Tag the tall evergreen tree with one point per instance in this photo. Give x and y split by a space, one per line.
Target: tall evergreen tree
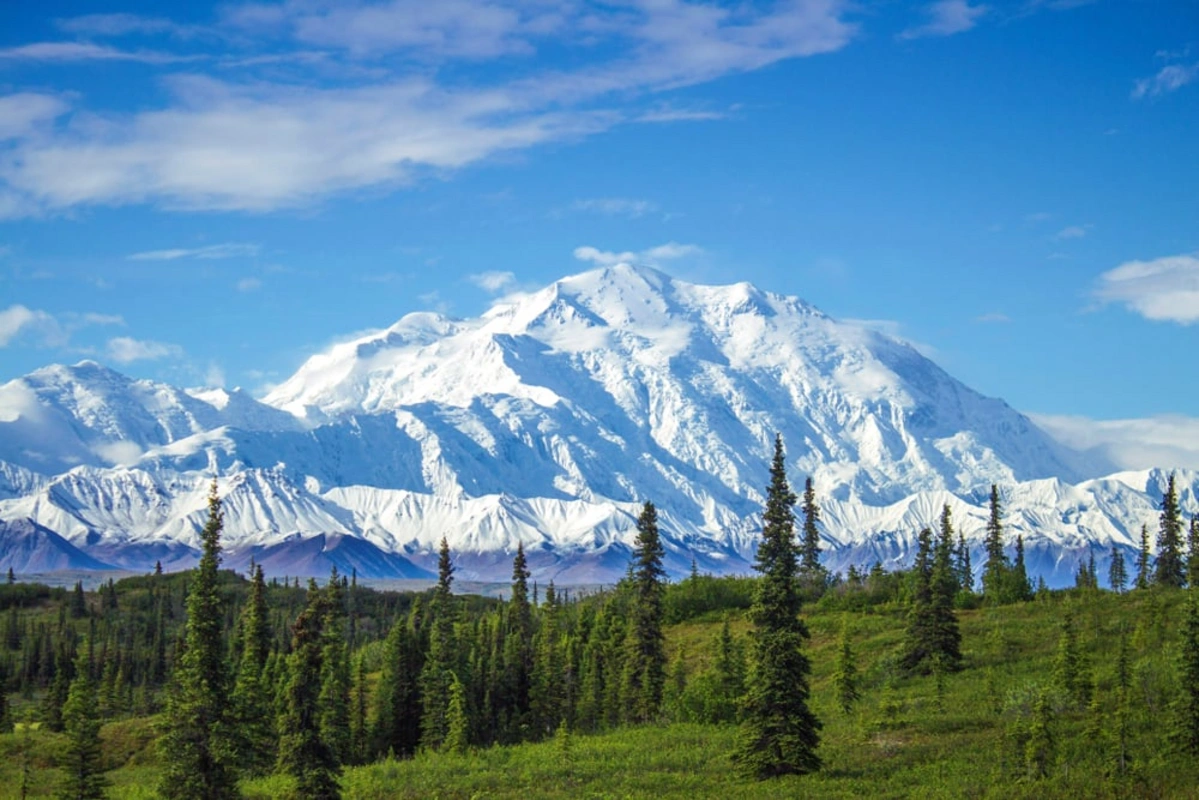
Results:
810 568
1117 574
645 662
1170 569
1193 553
1040 744
457 738
1018 588
518 647
779 734
359 732
996 566
335 672
303 754
1186 705
1143 574
252 701
1069 671
438 671
81 721
933 639
397 700
964 569
196 742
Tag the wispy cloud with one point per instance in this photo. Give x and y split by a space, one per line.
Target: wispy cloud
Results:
1167 79
226 250
45 329
23 113
260 145
893 329
126 350
249 284
115 25
946 18
1166 441
86 51
1165 289
493 281
1074 231
993 317
617 206
655 255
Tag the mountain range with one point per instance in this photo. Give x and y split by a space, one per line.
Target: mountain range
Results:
547 421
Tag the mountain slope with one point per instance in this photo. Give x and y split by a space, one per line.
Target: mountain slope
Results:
547 421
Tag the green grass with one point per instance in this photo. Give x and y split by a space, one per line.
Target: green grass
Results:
900 741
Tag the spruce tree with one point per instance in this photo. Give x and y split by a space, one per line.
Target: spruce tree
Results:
196 742
335 672
645 662
1170 569
457 738
779 734
1186 704
1039 747
1143 575
81 722
254 723
1018 590
810 568
1193 553
397 700
438 671
1117 575
303 754
518 646
964 568
933 639
996 566
1069 671
845 675
547 705
359 732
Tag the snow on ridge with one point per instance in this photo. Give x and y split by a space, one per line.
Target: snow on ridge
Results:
546 421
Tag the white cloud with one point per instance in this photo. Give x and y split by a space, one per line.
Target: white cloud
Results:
125 350
1074 231
85 51
121 25
1167 441
894 330
993 316
946 18
654 255
617 206
1168 79
121 454
263 145
17 318
249 284
1164 289
227 250
214 376
22 113
492 281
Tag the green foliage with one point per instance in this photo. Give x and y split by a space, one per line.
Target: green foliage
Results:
457 738
1143 571
253 721
1186 704
996 565
645 662
706 597
1117 574
81 723
1170 569
303 754
811 571
845 676
196 744
933 638
1069 671
779 733
1039 746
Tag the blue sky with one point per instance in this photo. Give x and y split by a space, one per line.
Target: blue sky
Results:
214 195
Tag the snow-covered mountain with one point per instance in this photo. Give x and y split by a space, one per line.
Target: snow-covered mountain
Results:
547 421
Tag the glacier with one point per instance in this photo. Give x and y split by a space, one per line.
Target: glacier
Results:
547 421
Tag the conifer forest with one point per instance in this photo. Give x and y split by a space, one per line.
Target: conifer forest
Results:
924 682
